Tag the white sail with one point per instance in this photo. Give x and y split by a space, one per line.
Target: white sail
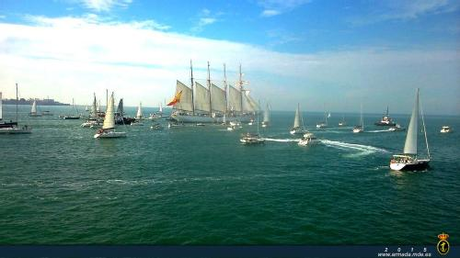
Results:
161 108
139 111
218 99
94 108
410 146
201 98
361 118
185 102
1 107
266 114
109 120
234 99
33 110
297 117
249 105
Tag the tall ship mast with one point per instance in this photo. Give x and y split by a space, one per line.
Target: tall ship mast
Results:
200 104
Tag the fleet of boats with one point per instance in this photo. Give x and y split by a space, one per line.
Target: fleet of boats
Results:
12 127
199 107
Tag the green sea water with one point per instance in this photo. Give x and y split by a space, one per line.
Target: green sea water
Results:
200 186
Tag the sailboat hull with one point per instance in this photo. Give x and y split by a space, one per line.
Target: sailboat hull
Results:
15 130
415 165
110 134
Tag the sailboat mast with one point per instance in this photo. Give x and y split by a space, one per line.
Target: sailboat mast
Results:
225 88
362 122
424 130
17 102
241 89
209 88
258 113
191 86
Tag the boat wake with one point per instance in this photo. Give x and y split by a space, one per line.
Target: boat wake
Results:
361 149
281 140
379 131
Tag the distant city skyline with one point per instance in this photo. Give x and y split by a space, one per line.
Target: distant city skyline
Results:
323 54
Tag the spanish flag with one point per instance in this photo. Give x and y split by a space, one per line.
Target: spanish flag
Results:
176 99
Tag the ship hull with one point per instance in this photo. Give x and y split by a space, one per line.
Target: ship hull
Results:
416 165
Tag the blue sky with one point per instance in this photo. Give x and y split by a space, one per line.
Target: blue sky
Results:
333 53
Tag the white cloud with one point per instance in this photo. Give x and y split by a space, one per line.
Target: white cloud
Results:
268 13
205 18
73 57
277 7
104 5
406 10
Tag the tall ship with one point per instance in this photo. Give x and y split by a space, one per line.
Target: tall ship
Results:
210 104
386 120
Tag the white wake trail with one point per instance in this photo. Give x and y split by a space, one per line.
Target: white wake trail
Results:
281 140
361 149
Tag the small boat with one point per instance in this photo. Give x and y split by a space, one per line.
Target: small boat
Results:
396 128
298 120
72 116
324 123
410 159
93 120
445 129
252 138
307 139
158 114
108 128
200 124
386 120
266 121
33 110
360 128
12 127
47 113
343 123
175 125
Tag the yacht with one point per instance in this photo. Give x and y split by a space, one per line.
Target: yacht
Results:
360 128
12 127
307 139
445 129
298 127
396 128
386 120
108 128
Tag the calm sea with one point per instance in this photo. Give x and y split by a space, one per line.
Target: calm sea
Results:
199 185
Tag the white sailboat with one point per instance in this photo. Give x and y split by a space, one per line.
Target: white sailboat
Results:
72 116
324 124
139 115
251 138
410 160
12 127
266 121
108 128
296 128
33 110
93 120
360 128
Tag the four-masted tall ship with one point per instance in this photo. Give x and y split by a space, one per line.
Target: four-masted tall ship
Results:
210 104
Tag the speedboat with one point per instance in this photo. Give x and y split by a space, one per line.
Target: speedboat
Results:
91 123
396 128
358 129
307 139
251 138
445 129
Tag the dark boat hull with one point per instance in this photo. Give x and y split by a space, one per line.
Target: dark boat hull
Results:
8 124
384 124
